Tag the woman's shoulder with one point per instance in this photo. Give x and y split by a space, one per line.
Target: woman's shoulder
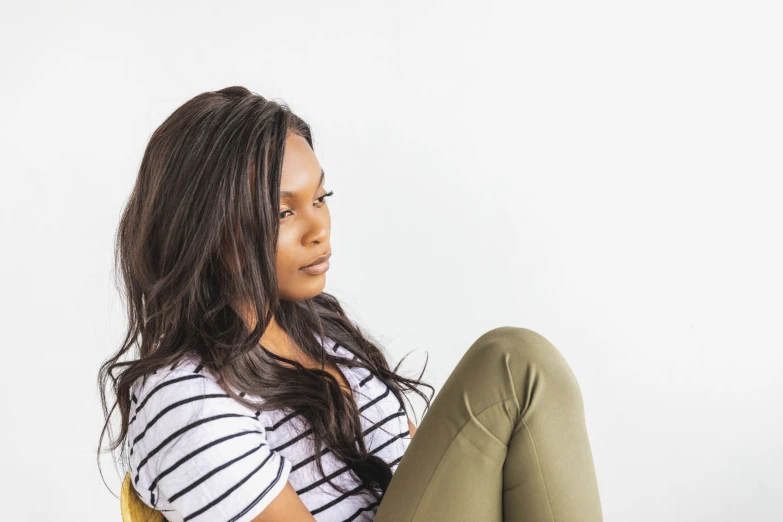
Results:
172 398
186 430
185 376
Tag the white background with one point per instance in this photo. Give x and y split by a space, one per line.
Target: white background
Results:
605 173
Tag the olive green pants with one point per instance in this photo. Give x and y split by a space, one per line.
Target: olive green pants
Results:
504 440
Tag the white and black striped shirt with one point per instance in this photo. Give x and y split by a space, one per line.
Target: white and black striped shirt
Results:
196 454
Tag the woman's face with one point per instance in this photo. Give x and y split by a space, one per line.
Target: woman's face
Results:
305 223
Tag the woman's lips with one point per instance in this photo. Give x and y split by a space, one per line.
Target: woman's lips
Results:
320 268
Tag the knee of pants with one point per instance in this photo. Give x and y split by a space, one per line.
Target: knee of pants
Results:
529 355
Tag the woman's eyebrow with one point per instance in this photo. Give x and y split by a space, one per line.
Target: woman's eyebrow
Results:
290 194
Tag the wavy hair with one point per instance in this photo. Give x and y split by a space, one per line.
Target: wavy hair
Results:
198 234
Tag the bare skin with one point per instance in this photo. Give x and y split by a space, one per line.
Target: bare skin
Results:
305 226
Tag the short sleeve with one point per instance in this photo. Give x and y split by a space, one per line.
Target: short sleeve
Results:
197 454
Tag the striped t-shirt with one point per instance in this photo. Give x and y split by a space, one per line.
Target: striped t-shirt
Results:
197 454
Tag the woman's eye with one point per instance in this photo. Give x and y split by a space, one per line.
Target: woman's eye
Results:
320 200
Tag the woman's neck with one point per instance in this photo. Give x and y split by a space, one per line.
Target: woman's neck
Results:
274 338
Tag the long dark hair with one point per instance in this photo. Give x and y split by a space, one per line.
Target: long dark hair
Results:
199 234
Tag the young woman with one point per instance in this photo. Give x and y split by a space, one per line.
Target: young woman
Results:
253 397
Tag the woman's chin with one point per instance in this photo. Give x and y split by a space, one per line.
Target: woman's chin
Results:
303 291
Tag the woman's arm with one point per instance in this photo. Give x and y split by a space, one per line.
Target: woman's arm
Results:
286 507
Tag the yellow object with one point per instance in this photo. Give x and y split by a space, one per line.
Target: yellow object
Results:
133 508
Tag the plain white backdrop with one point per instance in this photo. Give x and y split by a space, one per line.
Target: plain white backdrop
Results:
606 173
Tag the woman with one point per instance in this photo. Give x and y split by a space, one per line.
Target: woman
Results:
297 416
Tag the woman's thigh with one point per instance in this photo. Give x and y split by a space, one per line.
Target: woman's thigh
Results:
503 440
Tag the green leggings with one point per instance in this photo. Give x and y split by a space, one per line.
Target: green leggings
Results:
504 440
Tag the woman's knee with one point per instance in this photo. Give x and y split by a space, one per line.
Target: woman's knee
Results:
518 342
524 350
